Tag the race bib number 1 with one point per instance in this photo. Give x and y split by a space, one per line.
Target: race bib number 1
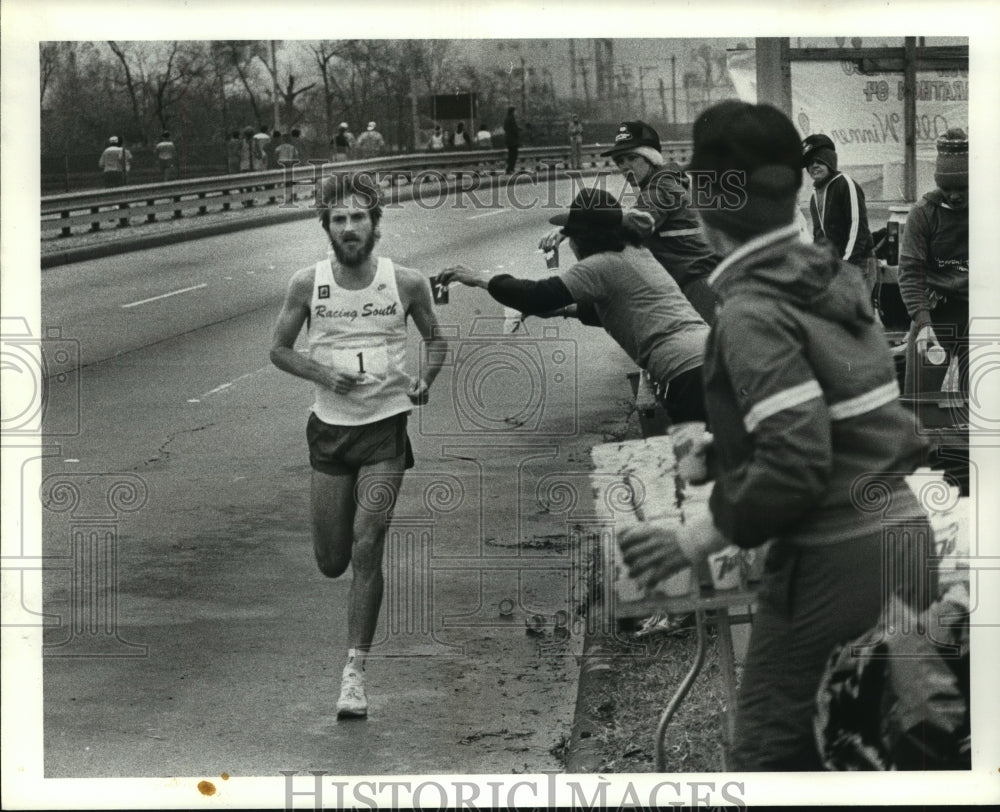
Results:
372 362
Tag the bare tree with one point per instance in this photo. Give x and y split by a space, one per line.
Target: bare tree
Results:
241 56
131 83
48 53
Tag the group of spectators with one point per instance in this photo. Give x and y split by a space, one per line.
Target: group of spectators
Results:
260 150
774 343
115 162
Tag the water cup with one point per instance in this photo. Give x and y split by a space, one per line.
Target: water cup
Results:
690 450
726 568
552 258
936 354
439 290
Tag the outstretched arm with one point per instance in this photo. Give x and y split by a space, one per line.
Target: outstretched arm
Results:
526 295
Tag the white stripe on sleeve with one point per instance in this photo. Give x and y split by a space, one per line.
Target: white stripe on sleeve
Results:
786 399
867 402
855 216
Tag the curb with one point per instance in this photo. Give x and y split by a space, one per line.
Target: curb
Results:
142 243
583 752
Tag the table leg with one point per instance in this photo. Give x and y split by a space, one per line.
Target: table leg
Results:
727 666
682 690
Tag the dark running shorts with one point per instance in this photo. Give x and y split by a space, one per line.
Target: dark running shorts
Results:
337 450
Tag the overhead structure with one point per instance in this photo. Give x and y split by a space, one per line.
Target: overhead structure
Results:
774 57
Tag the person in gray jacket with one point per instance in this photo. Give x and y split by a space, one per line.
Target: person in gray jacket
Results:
811 445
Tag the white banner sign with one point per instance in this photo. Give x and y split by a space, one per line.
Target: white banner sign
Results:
863 113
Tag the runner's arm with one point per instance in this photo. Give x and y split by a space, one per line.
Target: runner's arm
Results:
294 313
420 307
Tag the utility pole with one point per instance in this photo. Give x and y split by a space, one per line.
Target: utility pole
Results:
274 86
663 98
598 70
586 84
673 88
524 90
572 69
642 89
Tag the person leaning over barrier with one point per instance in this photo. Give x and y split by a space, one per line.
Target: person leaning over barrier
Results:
676 240
802 398
618 285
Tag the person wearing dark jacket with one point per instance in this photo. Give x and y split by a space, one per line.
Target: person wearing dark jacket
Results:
677 240
810 444
934 257
837 205
512 139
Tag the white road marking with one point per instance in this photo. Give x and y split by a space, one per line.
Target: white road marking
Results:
165 295
487 214
222 387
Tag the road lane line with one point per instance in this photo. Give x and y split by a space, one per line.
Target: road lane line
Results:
487 214
165 295
223 386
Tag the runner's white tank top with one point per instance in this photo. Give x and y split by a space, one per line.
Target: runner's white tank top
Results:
360 331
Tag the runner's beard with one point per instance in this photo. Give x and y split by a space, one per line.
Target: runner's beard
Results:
354 253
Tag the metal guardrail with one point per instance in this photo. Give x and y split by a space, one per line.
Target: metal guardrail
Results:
176 199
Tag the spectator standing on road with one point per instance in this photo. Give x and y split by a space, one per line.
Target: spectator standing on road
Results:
484 140
837 206
115 162
575 133
370 143
246 151
677 241
300 147
358 446
462 140
286 155
934 258
512 139
166 157
436 143
286 152
260 144
802 398
234 148
343 143
618 285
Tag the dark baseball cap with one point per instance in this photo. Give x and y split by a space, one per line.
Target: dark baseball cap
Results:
591 210
631 135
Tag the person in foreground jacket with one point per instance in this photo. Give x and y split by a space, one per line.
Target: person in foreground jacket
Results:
810 446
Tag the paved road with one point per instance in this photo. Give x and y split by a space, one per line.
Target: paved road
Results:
221 644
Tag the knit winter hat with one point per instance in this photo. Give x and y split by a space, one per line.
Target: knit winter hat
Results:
762 145
952 168
820 148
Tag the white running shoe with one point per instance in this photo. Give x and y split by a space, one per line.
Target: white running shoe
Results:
353 703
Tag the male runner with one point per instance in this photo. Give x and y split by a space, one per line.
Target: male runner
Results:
355 307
